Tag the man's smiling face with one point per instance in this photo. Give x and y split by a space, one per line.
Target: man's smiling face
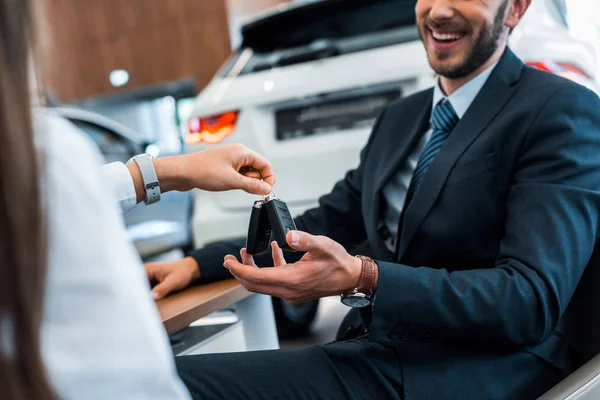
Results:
460 35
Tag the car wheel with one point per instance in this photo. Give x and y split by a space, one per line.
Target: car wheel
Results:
294 320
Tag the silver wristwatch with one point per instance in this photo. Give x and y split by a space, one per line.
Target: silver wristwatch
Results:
149 177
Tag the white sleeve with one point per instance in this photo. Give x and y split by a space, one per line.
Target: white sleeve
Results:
102 337
118 179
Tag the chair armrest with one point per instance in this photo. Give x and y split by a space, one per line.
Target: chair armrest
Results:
583 384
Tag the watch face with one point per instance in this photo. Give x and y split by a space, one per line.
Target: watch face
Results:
356 300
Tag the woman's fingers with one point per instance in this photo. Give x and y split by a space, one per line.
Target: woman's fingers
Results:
261 165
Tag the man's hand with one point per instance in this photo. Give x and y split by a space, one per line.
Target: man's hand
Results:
171 276
228 167
326 269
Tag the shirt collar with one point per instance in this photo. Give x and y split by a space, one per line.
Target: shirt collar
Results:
462 98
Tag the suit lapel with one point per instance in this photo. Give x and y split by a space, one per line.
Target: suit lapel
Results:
499 87
400 145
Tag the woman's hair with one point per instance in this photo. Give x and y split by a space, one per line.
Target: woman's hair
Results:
22 228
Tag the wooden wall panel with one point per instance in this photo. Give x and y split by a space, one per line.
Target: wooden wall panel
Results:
156 41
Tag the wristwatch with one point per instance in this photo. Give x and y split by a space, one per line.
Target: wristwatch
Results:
362 295
149 177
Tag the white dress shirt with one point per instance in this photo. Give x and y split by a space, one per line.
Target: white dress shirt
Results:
119 180
102 337
394 192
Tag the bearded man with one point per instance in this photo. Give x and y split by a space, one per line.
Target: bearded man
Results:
479 201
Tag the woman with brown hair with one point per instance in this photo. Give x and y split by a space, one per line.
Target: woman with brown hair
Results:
22 239
77 320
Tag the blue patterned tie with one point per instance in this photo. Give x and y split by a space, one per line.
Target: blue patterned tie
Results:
443 121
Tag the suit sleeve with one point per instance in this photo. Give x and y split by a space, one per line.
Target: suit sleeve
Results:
336 212
552 225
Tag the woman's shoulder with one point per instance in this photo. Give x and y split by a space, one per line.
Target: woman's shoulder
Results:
70 161
61 141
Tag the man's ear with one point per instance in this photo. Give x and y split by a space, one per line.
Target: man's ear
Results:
516 10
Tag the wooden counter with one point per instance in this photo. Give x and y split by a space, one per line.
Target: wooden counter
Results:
180 309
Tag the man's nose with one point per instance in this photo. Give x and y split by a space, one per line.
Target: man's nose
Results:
441 10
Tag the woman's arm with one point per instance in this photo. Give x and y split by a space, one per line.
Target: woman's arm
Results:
223 168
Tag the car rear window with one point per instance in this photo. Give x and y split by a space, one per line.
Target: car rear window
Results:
324 29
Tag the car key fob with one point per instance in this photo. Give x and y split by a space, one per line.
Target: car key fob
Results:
259 230
281 221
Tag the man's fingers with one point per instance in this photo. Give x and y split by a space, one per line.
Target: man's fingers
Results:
230 257
302 241
165 287
247 259
267 276
277 253
278 282
270 290
289 295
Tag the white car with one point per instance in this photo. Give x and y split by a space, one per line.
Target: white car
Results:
309 80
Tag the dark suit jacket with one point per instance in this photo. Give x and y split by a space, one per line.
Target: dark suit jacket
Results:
492 245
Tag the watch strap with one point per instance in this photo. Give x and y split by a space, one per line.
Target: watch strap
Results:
151 184
366 283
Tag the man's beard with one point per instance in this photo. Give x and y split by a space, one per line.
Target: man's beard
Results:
485 46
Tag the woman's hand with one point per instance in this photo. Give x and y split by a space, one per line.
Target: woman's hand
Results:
228 167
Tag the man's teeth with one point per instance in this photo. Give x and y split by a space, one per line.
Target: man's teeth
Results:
446 37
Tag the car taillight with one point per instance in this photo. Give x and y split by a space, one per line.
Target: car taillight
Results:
565 70
211 129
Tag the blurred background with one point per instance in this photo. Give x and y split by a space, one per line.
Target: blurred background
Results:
299 81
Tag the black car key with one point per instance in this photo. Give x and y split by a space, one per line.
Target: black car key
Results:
259 230
281 221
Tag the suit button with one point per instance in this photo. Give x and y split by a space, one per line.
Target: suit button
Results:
396 334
